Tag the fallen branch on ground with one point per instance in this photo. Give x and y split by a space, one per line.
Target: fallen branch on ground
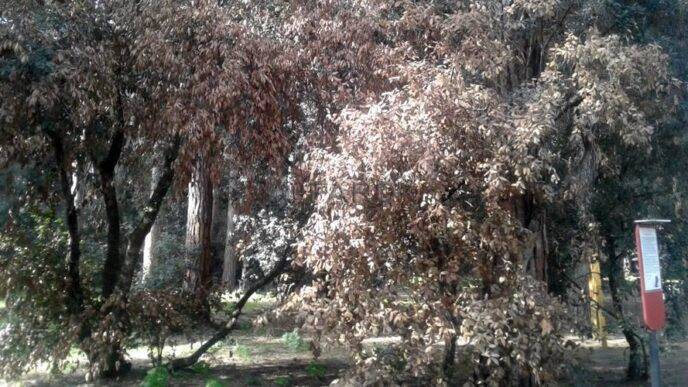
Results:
185 362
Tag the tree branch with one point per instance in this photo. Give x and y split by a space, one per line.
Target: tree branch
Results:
611 314
190 360
570 104
107 165
150 213
560 26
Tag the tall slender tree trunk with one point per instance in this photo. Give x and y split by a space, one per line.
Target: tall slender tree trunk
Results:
218 227
197 279
74 289
536 253
449 362
230 264
106 170
635 359
136 237
109 362
150 243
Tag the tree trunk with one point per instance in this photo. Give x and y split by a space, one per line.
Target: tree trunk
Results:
536 253
635 361
229 267
197 279
110 361
449 362
113 262
150 213
150 243
106 170
218 229
74 289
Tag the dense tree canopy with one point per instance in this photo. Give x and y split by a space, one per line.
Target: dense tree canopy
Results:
436 171
437 192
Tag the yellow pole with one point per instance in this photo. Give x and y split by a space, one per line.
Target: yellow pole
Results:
597 298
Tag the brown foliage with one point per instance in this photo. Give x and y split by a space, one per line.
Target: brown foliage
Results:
420 125
414 206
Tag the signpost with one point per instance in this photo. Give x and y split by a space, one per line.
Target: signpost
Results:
651 293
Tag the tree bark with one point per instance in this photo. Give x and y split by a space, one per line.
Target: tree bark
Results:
218 230
536 253
635 360
219 223
230 264
151 240
109 362
74 289
137 236
449 362
106 170
197 279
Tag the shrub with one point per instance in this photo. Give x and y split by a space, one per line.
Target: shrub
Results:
316 370
157 314
201 368
156 377
294 341
32 275
516 337
283 381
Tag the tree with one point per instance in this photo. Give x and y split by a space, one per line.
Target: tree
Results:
129 76
439 167
637 183
432 206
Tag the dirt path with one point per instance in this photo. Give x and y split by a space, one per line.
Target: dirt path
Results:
607 366
265 361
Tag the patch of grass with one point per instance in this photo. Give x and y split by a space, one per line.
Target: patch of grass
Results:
242 352
214 349
283 381
156 377
244 326
252 306
214 383
316 370
254 381
257 302
201 368
294 341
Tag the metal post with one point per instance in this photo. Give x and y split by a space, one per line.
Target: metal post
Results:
655 377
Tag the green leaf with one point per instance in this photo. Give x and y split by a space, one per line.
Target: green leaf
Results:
214 383
156 377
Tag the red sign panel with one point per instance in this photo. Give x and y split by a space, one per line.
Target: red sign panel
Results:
651 292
